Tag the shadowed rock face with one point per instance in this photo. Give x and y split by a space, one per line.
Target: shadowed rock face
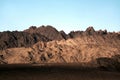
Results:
48 31
110 64
29 37
19 39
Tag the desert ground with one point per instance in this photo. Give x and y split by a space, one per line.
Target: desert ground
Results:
54 72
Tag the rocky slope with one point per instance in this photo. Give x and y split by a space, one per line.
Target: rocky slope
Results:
19 39
33 35
48 31
90 47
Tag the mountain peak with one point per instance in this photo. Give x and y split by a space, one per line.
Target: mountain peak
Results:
33 27
48 31
90 30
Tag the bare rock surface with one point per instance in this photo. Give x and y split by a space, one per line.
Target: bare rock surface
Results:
48 31
19 39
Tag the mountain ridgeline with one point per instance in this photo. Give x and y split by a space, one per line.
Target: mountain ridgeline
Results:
33 35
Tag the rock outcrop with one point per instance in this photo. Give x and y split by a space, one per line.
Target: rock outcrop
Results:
47 31
19 39
109 64
29 37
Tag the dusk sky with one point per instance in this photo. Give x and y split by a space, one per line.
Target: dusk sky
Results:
67 15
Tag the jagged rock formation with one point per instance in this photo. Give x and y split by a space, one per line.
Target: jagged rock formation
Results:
110 64
19 39
48 31
93 48
33 35
29 37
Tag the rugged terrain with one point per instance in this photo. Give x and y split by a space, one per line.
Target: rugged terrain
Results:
47 45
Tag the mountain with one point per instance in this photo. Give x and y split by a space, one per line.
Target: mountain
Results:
48 31
47 45
33 35
29 37
19 39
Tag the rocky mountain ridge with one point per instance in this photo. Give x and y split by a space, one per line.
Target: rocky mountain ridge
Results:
33 35
36 45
